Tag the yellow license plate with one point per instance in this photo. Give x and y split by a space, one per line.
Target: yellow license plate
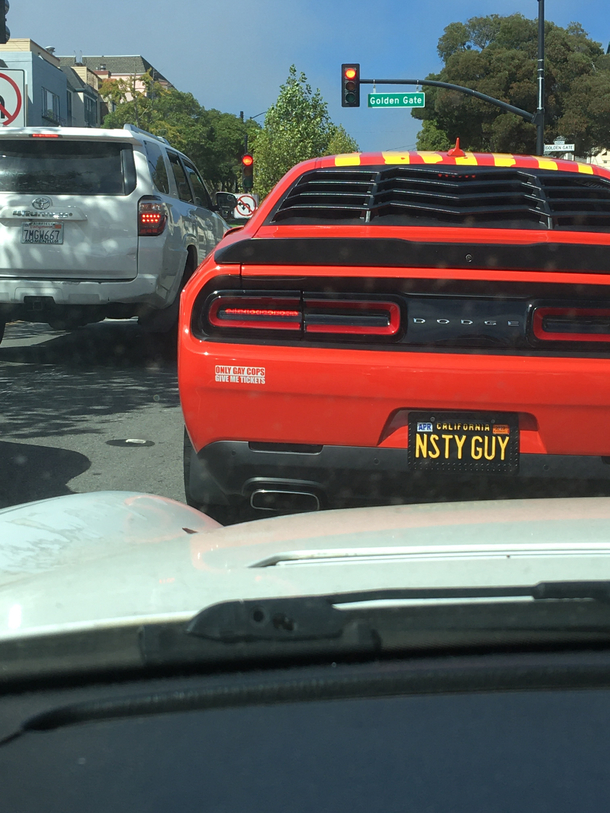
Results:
485 442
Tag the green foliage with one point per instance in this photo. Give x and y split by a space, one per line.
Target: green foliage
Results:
297 127
433 138
340 141
213 140
497 56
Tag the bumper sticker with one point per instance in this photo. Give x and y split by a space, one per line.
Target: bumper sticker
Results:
232 374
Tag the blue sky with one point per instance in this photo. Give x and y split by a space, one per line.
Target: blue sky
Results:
234 55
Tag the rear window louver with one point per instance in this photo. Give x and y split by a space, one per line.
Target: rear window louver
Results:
469 196
330 194
577 203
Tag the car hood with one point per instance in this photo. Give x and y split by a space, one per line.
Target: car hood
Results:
114 558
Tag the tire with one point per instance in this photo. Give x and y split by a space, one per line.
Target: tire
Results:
187 451
234 511
2 326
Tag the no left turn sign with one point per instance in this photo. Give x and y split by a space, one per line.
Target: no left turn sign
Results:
246 205
12 98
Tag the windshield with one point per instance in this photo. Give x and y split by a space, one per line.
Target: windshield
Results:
250 281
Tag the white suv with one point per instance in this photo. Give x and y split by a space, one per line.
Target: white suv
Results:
99 223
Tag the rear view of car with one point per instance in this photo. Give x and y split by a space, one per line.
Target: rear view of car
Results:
95 224
395 315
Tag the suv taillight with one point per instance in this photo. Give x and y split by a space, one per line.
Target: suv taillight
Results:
152 216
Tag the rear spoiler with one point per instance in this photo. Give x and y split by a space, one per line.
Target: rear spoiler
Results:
392 253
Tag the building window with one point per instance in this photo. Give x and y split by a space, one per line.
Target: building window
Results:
50 106
69 107
90 111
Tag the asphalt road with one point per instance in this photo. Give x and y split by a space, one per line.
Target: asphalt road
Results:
72 403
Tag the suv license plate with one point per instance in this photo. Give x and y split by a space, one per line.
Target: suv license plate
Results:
485 442
43 232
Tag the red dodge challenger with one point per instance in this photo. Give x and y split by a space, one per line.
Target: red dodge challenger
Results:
389 317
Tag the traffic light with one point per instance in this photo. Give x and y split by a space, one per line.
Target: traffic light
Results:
350 85
5 34
247 171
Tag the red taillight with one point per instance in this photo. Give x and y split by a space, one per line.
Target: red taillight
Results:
255 312
266 313
152 217
356 318
313 316
571 324
44 135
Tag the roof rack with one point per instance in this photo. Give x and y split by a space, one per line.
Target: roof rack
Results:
134 129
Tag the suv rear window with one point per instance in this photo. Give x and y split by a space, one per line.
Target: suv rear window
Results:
67 167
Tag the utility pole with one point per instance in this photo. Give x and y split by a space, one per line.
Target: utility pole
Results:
540 110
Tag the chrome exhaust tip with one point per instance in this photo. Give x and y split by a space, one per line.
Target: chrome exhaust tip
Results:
284 501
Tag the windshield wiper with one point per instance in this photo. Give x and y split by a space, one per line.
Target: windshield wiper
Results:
317 617
423 620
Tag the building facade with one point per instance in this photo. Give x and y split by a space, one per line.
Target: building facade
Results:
47 103
129 68
86 108
602 159
64 90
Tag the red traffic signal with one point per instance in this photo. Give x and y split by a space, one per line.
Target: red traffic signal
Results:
350 85
247 171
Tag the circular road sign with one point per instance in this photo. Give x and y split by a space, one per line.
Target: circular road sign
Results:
9 110
246 204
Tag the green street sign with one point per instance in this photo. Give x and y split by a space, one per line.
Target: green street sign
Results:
414 99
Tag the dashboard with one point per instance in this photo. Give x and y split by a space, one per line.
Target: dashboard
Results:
486 732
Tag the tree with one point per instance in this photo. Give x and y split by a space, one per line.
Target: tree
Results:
134 100
340 141
297 127
497 56
213 140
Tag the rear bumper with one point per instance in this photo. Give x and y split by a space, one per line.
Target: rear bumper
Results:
144 289
341 475
362 398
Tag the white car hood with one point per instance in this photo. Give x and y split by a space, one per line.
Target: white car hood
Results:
114 558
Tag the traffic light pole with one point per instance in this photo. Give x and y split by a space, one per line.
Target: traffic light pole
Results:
539 120
509 108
